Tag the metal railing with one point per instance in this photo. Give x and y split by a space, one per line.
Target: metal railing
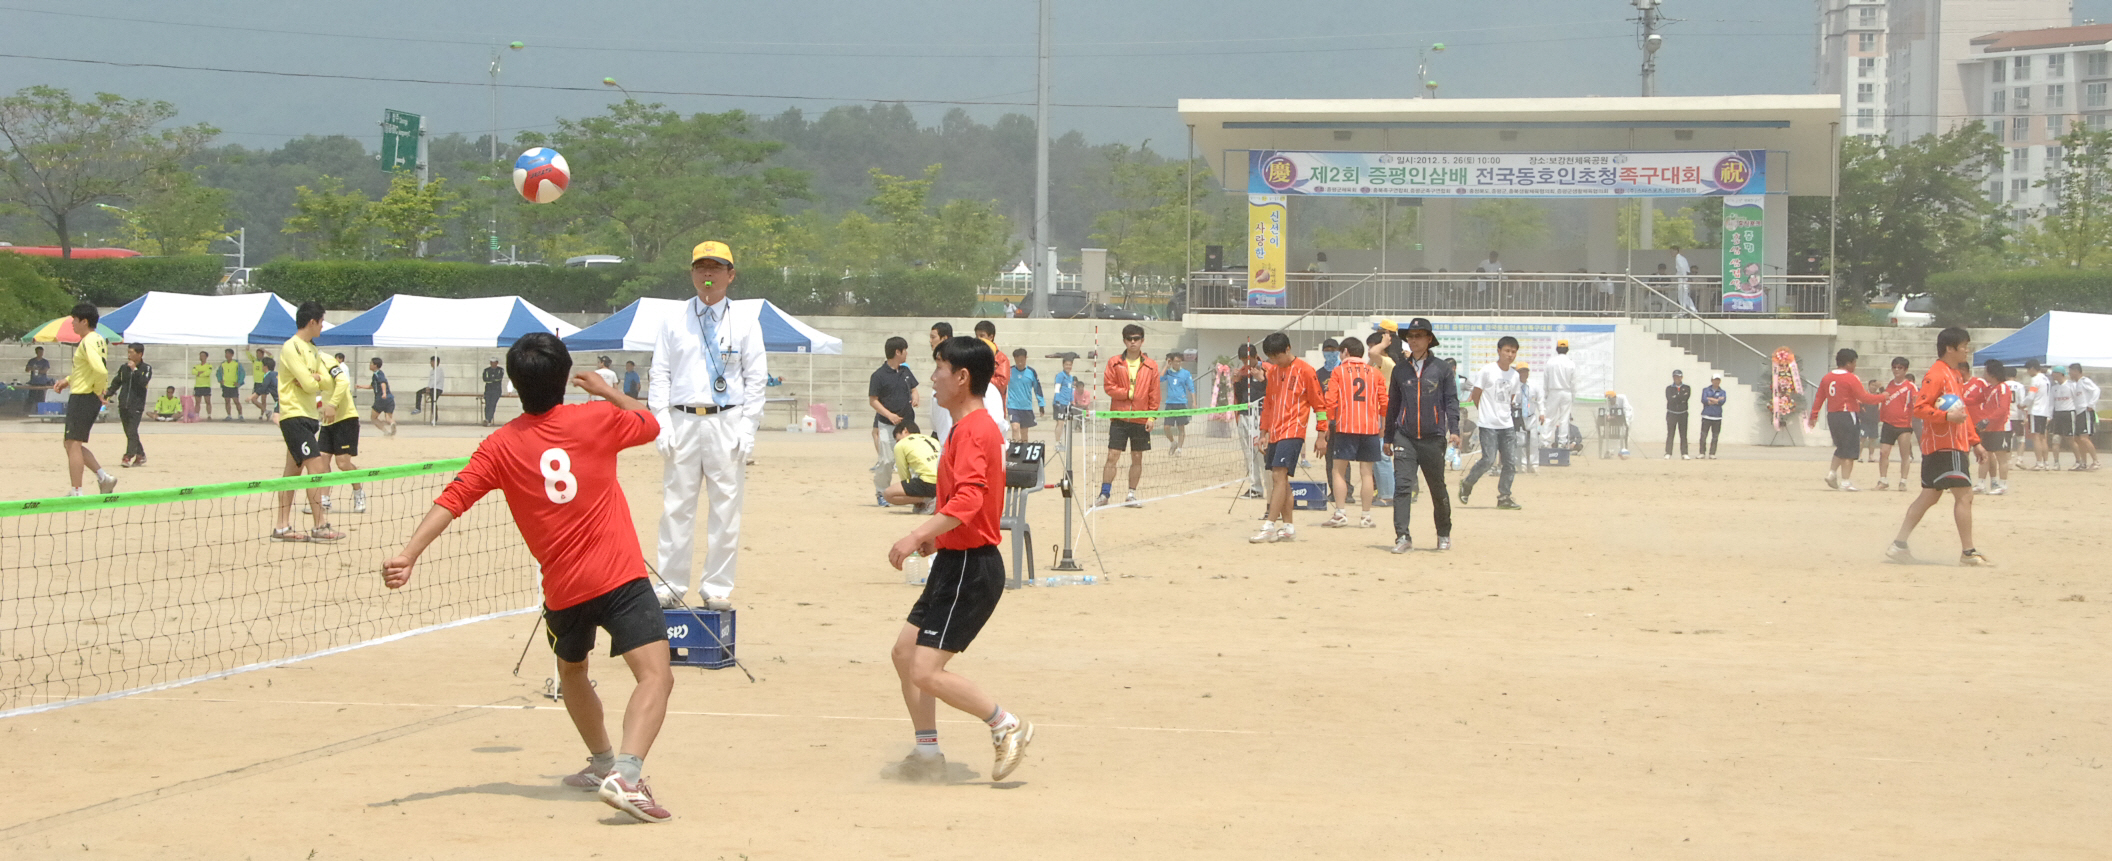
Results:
1540 294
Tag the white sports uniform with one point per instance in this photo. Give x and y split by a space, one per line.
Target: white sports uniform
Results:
706 446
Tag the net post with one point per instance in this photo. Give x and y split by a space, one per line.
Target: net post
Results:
1065 561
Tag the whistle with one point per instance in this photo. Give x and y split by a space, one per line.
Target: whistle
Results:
707 283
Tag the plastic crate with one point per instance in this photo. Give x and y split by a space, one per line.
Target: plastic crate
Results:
51 408
700 638
1554 457
1309 495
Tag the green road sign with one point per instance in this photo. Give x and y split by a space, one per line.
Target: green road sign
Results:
400 132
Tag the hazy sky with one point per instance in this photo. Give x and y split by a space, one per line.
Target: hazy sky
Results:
712 55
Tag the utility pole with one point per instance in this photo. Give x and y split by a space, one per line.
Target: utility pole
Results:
1422 69
1651 20
1044 249
498 188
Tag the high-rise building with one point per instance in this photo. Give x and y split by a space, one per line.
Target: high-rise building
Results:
2030 87
1895 63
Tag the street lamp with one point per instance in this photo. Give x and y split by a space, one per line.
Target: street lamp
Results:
611 82
1422 68
495 191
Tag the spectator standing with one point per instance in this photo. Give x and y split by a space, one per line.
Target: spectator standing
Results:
1496 415
2085 422
1529 409
1422 422
632 387
38 367
1023 396
606 370
1678 397
1132 383
1684 270
494 380
202 386
1249 382
258 391
1713 397
231 374
1178 388
892 393
129 386
1558 378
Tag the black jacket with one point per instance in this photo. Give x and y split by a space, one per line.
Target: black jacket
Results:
1425 405
129 387
1677 396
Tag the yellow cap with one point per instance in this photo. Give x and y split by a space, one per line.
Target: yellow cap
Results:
711 250
1387 325
1521 366
1562 343
1609 394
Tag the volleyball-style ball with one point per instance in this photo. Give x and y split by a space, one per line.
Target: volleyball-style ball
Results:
540 175
1947 403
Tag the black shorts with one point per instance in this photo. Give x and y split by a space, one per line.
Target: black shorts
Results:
960 593
2038 424
1125 434
1060 412
341 437
1023 418
1283 454
1842 426
301 438
1176 421
202 392
385 406
1943 470
81 413
630 613
230 391
1994 440
2085 422
258 389
1358 447
919 488
2063 423
1890 434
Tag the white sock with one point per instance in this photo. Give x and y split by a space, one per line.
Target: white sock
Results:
927 742
103 474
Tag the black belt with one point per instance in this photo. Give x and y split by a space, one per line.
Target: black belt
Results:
705 410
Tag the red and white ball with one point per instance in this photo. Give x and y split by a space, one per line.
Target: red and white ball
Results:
540 175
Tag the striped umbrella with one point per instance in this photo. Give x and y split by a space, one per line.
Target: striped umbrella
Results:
60 331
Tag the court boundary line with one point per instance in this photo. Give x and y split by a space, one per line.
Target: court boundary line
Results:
261 665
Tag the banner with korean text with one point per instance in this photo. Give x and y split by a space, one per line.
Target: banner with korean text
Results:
1508 174
1268 226
1742 232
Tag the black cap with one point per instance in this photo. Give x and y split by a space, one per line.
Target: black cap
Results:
1422 324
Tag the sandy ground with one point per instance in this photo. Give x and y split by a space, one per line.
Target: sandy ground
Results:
1660 660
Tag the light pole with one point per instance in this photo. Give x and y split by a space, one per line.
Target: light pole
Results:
496 191
1422 68
1044 265
611 82
1651 20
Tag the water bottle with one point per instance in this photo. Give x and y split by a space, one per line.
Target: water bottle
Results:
1054 580
913 569
1069 580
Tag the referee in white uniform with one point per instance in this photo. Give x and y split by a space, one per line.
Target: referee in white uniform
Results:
707 390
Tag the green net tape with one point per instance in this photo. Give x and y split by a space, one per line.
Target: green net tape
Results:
61 504
1159 414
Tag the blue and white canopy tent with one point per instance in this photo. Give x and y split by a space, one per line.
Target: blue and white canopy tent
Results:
418 321
2058 338
185 318
635 327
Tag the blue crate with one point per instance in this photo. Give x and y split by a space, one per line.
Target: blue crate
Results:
690 637
1309 495
51 408
1554 457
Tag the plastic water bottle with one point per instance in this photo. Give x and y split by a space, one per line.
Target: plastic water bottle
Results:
1070 580
913 569
1053 580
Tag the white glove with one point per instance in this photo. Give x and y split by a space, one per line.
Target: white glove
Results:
661 443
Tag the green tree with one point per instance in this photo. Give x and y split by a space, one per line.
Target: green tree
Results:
175 216
331 222
65 155
2076 227
1667 229
1147 230
408 216
1371 225
27 297
664 180
1911 210
1509 225
973 238
904 207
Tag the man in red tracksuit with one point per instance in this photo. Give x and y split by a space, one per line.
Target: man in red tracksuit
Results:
1132 383
1948 427
1896 424
1841 394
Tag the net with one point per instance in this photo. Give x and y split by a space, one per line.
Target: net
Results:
107 596
1192 451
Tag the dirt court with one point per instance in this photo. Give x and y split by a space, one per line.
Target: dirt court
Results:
1654 659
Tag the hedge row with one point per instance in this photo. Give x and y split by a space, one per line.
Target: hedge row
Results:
351 284
2012 298
110 282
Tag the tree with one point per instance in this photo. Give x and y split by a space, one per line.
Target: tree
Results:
408 216
1667 230
1147 231
664 180
331 223
1372 225
1914 209
2076 230
65 155
27 297
174 215
1509 225
972 237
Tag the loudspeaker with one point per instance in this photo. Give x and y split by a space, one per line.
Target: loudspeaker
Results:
1213 258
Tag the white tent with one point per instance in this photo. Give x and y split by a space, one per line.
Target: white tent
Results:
2058 338
635 327
185 318
419 321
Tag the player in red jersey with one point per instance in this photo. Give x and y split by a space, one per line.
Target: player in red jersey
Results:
556 463
1356 404
967 574
1987 401
1896 424
1948 427
1293 393
1841 394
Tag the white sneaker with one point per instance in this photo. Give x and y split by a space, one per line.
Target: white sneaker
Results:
359 502
1338 521
1898 552
1267 534
1368 523
1403 544
669 595
1286 532
1883 484
1850 487
1100 501
1131 501
1833 481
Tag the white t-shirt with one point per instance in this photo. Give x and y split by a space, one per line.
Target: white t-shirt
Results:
607 376
2063 398
1499 391
2019 403
2041 396
1560 375
2086 393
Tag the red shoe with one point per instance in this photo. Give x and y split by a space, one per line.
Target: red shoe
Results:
587 779
634 799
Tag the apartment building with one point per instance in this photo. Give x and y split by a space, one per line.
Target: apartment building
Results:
1895 63
2030 87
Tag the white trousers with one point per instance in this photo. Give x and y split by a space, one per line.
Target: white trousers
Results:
704 458
1558 407
1249 431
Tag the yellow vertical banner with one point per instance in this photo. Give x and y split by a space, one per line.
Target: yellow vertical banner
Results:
1268 220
